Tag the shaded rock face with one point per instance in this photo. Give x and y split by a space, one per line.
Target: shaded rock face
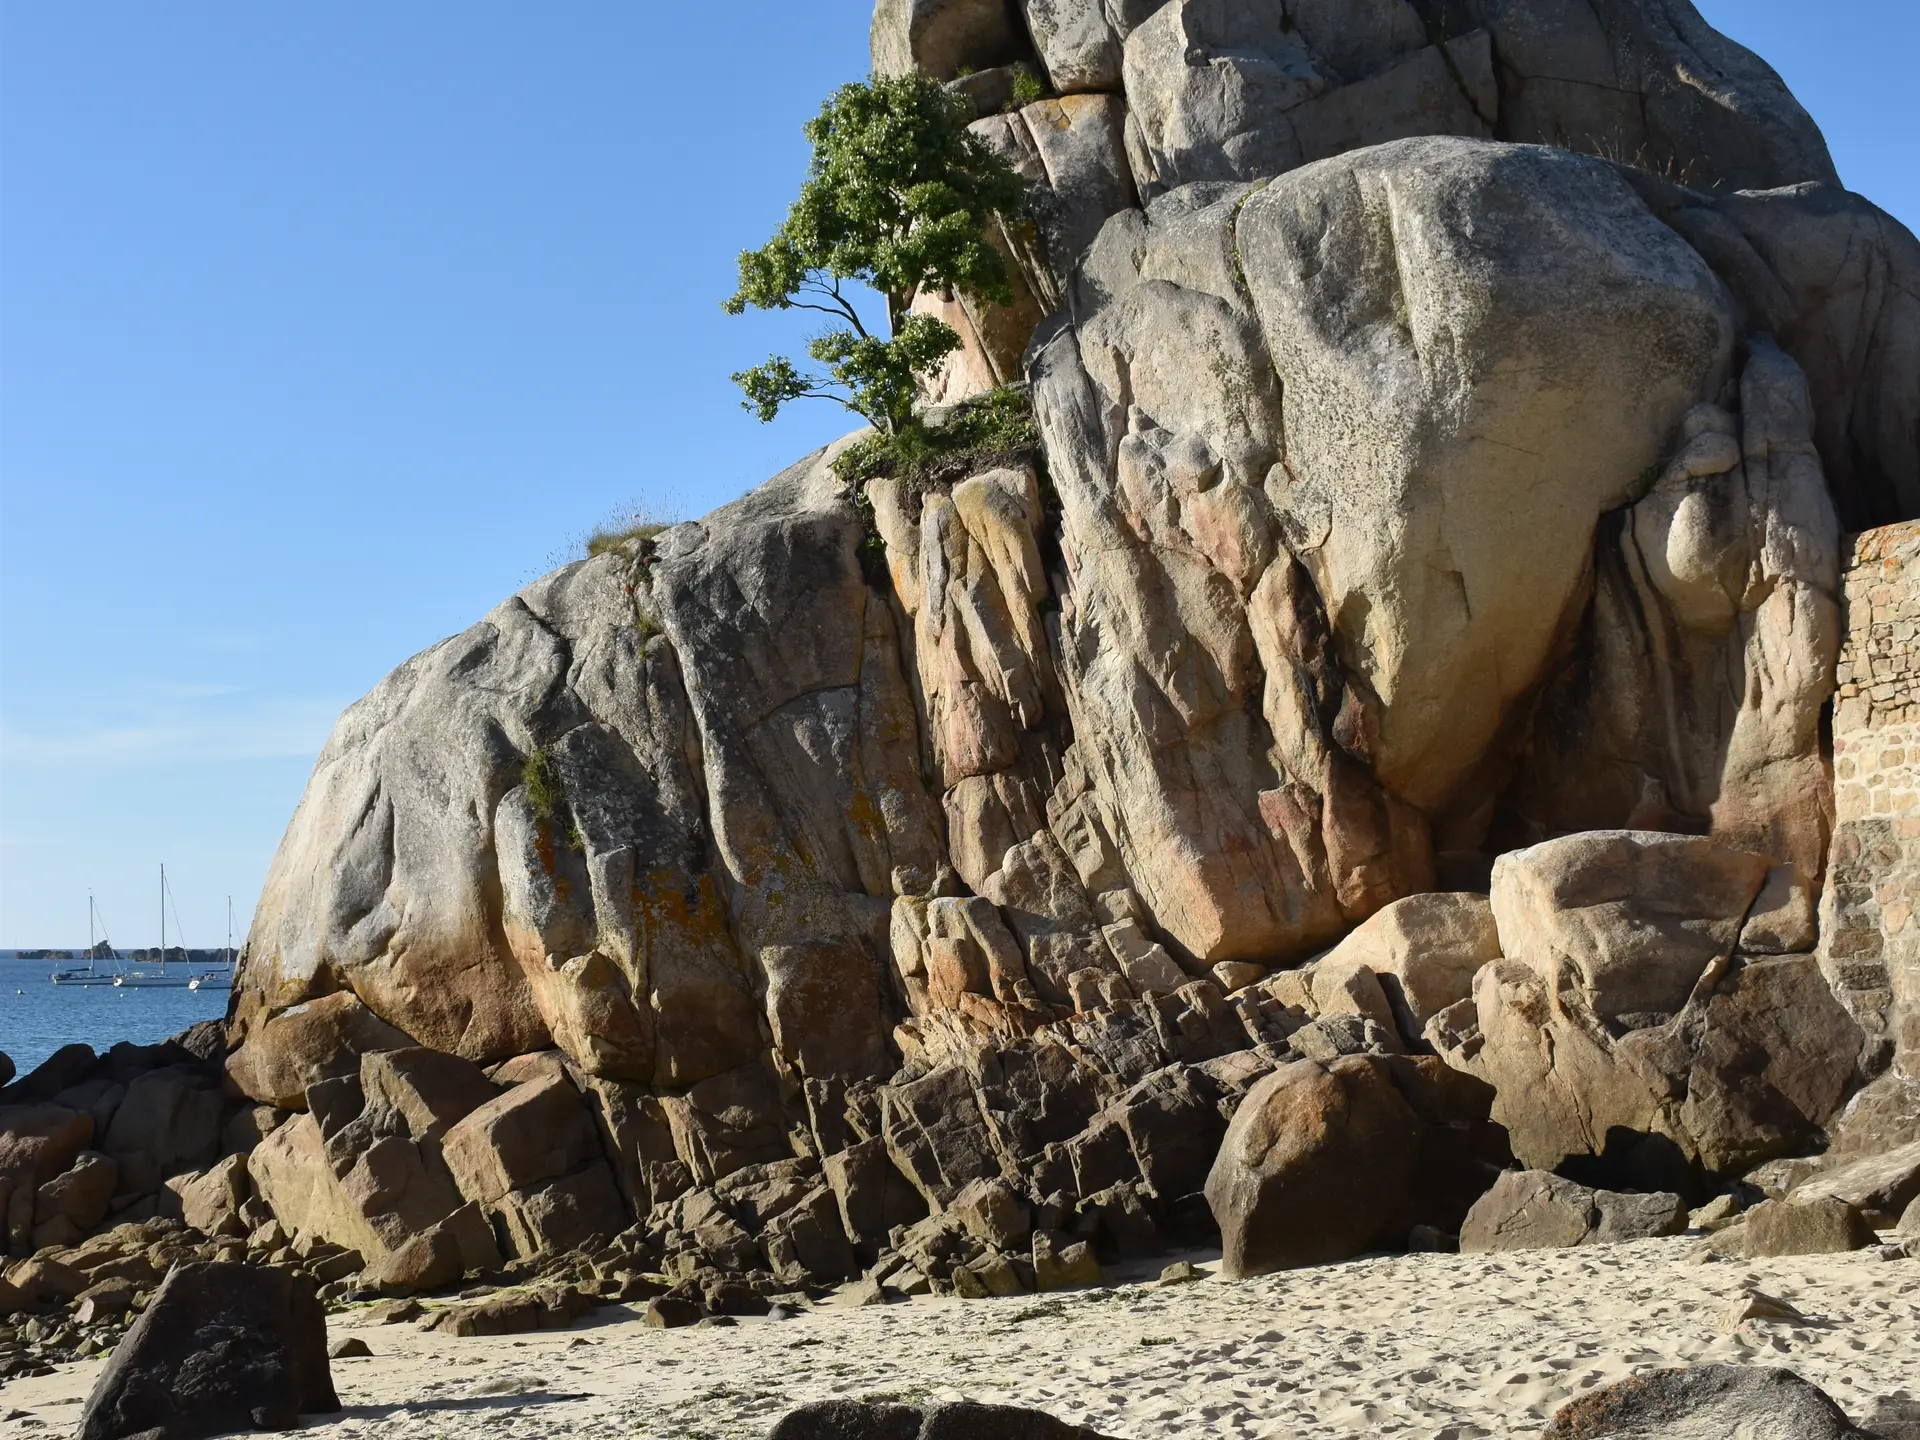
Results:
90 1140
221 1348
1408 497
1706 662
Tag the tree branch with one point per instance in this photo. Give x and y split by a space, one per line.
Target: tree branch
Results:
841 305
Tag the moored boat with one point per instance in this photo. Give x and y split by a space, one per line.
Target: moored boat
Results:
90 973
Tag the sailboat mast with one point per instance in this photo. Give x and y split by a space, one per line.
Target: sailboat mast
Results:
163 917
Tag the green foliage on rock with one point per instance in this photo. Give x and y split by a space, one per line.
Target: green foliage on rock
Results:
898 198
994 429
544 794
1028 88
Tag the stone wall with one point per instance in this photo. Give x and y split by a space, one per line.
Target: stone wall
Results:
1870 933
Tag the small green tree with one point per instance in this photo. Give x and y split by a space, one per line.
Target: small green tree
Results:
898 198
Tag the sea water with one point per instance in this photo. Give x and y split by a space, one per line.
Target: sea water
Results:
37 1017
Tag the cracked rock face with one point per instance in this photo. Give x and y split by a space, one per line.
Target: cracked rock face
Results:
554 829
1400 506
1344 441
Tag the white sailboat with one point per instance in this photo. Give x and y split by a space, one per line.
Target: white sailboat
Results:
91 974
160 978
221 976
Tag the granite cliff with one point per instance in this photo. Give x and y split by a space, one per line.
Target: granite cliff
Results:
1379 735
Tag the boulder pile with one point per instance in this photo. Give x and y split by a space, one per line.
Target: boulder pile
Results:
1376 735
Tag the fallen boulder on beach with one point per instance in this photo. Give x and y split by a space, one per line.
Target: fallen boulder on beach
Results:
221 1348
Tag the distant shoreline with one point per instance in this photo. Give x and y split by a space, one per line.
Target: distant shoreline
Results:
175 955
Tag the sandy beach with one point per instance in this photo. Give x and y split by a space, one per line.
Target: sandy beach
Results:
1428 1347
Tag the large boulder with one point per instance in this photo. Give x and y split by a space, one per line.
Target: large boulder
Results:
1705 1402
81 1194
955 1420
1820 1226
1450 622
680 799
37 1143
1318 1165
306 1043
220 1348
1651 83
68 1066
1425 951
1534 1210
532 1158
1628 922
1882 1185
1238 92
169 1123
210 1202
1625 1026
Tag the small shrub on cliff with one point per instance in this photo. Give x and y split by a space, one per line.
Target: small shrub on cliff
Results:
897 198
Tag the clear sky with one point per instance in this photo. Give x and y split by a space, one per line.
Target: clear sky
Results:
325 327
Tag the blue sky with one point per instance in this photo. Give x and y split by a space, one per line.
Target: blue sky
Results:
325 327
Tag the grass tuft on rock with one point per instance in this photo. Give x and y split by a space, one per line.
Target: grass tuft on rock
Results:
543 784
993 430
616 536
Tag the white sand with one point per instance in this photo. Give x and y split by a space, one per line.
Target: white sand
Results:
1436 1347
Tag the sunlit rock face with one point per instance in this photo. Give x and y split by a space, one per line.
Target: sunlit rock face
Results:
1449 416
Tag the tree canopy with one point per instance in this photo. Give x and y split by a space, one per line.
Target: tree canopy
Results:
897 198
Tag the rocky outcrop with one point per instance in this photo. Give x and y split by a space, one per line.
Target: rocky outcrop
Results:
833 882
89 1139
1625 1025
1152 96
1239 92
